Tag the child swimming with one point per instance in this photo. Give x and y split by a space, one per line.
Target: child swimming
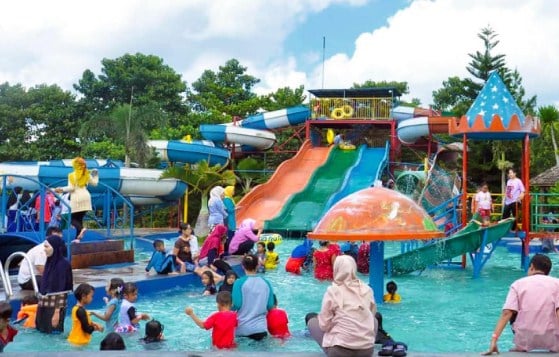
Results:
82 327
114 289
28 310
208 282
223 322
272 258
154 332
261 254
391 295
129 319
277 321
228 282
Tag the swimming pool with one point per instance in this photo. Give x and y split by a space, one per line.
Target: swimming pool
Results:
442 310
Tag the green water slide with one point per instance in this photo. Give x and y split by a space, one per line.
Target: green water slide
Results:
304 207
464 241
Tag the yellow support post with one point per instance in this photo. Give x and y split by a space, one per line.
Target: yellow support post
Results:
185 212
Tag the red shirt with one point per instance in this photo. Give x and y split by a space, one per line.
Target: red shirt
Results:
9 337
277 323
223 324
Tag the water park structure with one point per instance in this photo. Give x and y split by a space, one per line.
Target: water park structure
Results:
307 193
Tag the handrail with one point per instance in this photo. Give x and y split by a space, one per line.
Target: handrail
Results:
5 282
9 291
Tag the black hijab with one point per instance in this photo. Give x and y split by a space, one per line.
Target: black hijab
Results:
58 271
225 286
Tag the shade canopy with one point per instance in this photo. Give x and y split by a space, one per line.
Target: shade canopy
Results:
494 115
376 214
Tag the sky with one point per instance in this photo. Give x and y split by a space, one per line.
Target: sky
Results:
283 43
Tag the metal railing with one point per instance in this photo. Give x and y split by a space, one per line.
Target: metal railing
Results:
351 108
8 284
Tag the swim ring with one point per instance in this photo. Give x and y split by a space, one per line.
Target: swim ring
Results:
271 237
337 113
347 110
346 146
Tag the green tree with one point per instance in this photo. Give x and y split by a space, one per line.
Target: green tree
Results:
283 98
549 116
401 87
38 123
458 94
201 178
123 126
224 94
249 171
145 78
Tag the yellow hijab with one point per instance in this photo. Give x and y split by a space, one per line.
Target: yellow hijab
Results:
229 191
80 176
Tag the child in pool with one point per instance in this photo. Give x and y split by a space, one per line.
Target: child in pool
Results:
28 310
112 342
7 332
154 332
114 289
129 319
323 261
208 282
277 321
261 254
82 327
228 282
272 258
223 322
160 261
391 295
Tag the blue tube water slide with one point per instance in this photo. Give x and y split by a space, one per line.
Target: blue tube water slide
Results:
253 131
141 186
190 153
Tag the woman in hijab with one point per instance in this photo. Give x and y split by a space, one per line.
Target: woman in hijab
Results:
346 323
244 238
216 209
80 199
231 223
57 280
212 250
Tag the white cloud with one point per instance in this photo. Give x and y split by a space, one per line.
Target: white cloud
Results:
429 41
423 44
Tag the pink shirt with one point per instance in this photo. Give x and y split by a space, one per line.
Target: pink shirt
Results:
536 299
514 188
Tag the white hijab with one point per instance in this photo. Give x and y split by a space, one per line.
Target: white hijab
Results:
215 193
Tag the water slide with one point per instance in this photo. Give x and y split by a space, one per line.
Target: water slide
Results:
303 208
252 133
363 174
413 123
141 186
266 200
467 240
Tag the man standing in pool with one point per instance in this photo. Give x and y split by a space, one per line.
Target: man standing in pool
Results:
532 306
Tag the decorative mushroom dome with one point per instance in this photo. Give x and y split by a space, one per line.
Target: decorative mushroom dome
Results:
376 213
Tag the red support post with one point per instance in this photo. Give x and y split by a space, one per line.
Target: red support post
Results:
526 200
464 179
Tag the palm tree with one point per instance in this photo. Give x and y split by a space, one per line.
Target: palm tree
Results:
249 171
201 178
549 116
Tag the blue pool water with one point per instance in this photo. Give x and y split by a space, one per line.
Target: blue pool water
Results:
442 310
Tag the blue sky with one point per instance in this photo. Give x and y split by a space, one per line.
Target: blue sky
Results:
422 42
340 24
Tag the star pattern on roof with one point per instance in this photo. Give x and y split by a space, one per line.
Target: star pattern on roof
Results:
495 100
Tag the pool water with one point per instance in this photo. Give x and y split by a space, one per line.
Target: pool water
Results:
442 310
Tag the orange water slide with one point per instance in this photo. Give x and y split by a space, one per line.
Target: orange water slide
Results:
265 201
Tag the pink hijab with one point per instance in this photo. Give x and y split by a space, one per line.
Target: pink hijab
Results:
213 241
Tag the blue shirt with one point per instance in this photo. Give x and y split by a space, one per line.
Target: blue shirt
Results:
252 296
